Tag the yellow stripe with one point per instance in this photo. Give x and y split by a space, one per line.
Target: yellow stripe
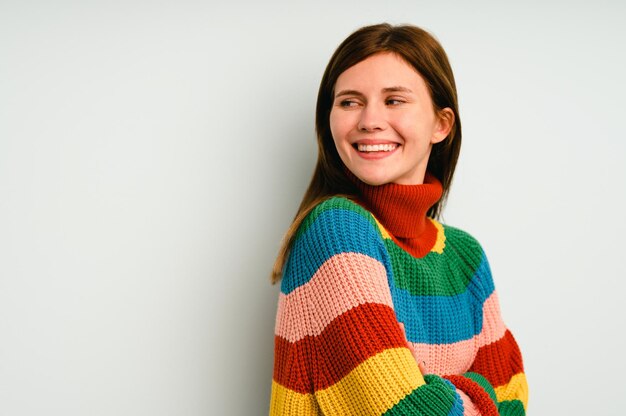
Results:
374 386
516 388
440 244
383 232
285 401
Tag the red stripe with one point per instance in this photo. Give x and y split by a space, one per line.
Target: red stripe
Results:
317 362
499 361
476 393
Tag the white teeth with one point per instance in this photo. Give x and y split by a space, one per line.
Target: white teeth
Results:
376 147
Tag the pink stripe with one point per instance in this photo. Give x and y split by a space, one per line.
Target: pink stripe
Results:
493 326
344 281
456 358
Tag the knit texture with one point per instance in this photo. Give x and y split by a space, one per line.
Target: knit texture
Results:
361 305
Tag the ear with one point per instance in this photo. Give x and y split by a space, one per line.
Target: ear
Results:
445 121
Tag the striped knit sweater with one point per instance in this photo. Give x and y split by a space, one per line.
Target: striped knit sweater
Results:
385 311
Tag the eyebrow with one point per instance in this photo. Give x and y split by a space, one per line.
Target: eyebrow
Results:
347 92
385 90
397 89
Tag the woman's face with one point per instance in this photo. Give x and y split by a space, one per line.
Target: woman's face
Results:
383 121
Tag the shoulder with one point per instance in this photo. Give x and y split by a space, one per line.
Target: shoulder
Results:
466 250
339 220
335 226
461 240
334 210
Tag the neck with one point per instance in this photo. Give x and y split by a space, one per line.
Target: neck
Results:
402 209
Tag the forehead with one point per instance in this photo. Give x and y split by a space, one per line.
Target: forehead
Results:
379 71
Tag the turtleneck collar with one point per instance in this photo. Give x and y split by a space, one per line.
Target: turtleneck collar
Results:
401 209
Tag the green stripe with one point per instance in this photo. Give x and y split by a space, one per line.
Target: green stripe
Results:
484 383
511 408
446 274
434 398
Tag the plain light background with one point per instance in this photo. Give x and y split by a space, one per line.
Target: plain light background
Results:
152 154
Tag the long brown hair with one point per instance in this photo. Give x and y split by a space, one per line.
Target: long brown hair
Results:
420 50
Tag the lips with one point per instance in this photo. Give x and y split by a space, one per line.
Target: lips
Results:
382 147
375 149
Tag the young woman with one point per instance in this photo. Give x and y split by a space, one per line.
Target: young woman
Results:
384 310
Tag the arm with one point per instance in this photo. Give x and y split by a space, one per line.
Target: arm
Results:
499 365
499 369
339 347
496 365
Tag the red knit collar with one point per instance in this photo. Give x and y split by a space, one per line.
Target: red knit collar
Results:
401 209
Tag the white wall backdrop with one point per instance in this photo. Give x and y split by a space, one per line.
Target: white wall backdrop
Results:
153 153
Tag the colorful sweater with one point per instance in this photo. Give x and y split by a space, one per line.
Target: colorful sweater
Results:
394 319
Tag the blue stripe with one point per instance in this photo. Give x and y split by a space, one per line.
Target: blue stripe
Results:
445 319
457 407
333 231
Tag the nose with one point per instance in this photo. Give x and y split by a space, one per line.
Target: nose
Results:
372 119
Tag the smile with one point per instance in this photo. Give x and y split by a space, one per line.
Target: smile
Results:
376 147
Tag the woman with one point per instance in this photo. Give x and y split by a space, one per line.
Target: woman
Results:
382 308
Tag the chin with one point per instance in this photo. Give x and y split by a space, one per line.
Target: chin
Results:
373 180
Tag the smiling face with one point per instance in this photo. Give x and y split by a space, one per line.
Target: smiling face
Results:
383 121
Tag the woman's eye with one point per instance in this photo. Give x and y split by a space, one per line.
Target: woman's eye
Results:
393 101
347 103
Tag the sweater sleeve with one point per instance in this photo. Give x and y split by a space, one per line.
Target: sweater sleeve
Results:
339 349
496 375
499 370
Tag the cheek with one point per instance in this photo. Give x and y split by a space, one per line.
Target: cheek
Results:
415 126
